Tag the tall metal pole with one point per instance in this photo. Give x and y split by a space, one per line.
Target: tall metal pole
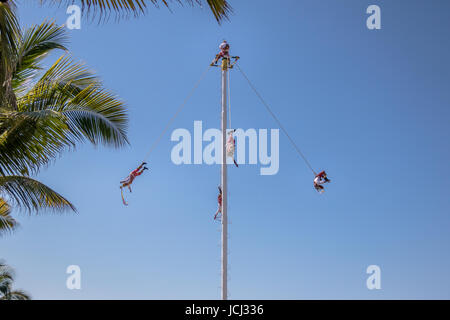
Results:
224 183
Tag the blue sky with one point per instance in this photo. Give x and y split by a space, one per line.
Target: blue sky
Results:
370 107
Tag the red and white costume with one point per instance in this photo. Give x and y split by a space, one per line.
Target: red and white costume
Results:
231 147
219 202
319 180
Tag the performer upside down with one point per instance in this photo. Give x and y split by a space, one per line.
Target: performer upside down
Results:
129 180
231 146
219 202
319 180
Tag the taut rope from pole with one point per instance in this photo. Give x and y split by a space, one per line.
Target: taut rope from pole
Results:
229 99
176 114
276 119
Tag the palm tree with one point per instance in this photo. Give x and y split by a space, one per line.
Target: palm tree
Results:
6 281
50 111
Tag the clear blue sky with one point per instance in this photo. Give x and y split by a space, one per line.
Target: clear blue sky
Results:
370 107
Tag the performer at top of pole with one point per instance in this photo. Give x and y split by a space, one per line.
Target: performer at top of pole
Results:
224 54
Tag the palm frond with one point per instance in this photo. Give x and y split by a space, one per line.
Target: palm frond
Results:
221 9
6 272
36 43
30 139
68 104
92 112
6 278
6 282
68 75
17 295
7 222
32 195
9 35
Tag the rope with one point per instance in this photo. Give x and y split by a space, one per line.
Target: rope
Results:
176 114
229 99
276 119
123 198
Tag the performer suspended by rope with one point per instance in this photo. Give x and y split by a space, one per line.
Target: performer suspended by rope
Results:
231 146
129 180
321 177
219 201
319 180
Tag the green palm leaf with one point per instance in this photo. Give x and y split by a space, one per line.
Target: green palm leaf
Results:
7 222
17 295
9 33
32 195
29 140
67 104
36 43
6 282
6 278
221 9
74 92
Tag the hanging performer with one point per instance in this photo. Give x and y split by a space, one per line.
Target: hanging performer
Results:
319 180
129 180
231 146
219 201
